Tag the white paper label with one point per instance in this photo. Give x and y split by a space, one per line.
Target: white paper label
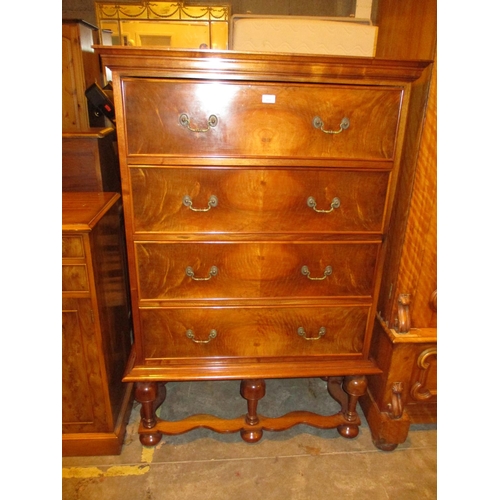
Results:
268 98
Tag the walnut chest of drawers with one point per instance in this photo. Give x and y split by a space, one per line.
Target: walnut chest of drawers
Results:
257 192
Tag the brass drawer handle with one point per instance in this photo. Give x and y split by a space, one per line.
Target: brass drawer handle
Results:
190 272
318 123
305 271
311 203
212 202
302 333
211 336
185 122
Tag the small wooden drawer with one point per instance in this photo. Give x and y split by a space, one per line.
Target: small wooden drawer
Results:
254 270
260 200
72 247
74 278
227 332
207 119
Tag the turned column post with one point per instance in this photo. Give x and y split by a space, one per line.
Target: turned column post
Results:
151 396
252 391
355 387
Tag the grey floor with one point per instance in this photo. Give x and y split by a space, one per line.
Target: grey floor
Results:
302 463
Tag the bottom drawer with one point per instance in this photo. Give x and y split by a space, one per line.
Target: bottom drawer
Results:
278 331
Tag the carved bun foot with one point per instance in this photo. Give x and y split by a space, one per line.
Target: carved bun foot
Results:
251 435
348 431
150 439
383 445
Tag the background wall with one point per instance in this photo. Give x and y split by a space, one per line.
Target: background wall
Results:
84 9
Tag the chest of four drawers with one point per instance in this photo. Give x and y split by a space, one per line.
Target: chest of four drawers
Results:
257 190
257 212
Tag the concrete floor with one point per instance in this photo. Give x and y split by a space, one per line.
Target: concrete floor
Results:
302 463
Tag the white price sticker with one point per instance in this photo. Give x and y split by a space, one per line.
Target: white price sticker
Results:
268 98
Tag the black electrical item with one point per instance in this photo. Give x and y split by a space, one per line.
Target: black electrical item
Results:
100 101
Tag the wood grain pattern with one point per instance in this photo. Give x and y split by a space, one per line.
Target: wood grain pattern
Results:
250 127
72 246
257 201
400 22
74 278
259 67
411 257
251 270
253 332
411 266
80 68
418 271
80 366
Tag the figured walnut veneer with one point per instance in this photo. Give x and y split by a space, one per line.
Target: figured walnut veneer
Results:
246 127
257 192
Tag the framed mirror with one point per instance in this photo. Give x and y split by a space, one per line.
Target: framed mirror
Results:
164 24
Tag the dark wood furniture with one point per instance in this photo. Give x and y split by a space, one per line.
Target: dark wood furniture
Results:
96 325
90 161
404 341
257 194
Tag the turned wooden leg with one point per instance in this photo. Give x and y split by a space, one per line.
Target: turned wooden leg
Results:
252 391
151 395
334 385
355 387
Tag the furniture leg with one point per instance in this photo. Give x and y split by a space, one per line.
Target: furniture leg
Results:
354 387
151 395
252 391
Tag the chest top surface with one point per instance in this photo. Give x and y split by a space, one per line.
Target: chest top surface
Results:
82 210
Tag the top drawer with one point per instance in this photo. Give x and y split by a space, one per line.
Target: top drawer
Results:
203 119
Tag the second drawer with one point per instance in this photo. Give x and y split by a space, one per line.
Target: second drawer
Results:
239 200
255 270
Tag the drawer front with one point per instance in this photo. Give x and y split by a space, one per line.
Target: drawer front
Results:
254 270
263 200
74 278
229 119
296 331
72 247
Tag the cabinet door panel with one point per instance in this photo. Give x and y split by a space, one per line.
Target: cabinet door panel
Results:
83 396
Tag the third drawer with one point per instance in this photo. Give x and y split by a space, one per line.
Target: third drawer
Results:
255 270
